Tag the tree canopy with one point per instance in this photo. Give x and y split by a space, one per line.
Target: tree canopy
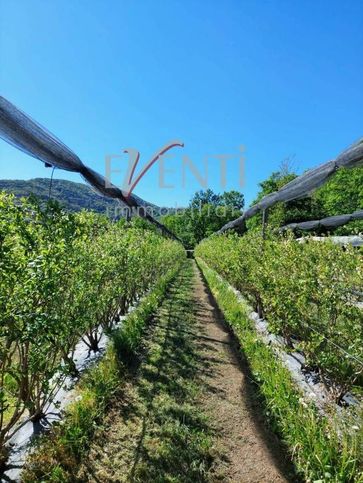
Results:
206 213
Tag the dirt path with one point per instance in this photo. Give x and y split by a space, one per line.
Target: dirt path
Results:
189 413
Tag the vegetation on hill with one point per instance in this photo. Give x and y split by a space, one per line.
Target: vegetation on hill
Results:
208 211
72 196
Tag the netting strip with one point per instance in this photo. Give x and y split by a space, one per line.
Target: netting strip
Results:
303 185
329 222
18 129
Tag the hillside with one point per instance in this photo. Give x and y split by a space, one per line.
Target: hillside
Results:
72 196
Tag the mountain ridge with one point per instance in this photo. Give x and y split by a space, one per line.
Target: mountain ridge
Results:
71 195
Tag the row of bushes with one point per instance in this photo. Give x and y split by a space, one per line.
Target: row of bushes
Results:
57 455
322 450
63 277
307 292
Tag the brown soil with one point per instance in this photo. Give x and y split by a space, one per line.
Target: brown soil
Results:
140 442
253 453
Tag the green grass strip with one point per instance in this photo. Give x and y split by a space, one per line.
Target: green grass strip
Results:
319 454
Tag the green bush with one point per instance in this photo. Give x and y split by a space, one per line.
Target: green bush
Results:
57 454
63 277
306 292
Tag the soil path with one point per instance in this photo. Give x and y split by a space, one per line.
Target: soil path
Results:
189 412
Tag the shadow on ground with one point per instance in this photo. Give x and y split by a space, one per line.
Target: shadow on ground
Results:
159 429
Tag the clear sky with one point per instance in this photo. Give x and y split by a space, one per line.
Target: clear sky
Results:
283 78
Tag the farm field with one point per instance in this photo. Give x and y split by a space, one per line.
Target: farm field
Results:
186 390
187 409
181 241
199 398
308 294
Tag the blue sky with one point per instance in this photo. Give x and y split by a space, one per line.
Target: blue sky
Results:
283 78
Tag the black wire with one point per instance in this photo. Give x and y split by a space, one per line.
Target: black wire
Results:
51 183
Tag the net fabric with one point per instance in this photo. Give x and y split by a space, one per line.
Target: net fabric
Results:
306 183
27 135
303 185
329 222
352 157
19 130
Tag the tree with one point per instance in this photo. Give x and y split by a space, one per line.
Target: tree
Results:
205 197
234 199
206 213
343 193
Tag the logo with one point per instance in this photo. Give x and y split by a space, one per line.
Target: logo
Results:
131 179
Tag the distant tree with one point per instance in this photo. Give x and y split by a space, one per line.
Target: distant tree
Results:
286 166
273 183
208 197
343 193
206 213
205 197
233 198
181 225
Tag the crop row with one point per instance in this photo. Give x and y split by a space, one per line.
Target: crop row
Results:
308 294
63 277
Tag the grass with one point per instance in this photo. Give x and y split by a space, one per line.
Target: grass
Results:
137 415
159 432
319 454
